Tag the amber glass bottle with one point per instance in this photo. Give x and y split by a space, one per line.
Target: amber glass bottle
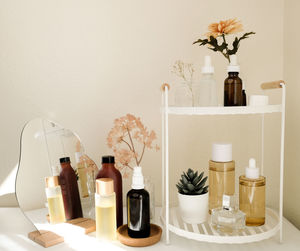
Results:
221 174
108 170
233 87
70 192
252 193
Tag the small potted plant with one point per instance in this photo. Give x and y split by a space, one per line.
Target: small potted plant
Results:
193 197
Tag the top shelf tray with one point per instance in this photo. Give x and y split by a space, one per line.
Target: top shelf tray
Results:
221 110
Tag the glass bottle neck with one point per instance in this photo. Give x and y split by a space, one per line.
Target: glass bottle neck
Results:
66 164
108 165
233 74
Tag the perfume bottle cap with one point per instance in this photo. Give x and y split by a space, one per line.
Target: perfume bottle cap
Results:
137 178
252 171
108 159
78 155
52 181
221 152
233 65
104 186
207 68
227 202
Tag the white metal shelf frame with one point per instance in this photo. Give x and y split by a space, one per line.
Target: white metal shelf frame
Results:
214 237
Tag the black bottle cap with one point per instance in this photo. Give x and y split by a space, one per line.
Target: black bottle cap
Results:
64 160
108 159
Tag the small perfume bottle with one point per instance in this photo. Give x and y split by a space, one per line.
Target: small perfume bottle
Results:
55 201
105 200
227 219
252 190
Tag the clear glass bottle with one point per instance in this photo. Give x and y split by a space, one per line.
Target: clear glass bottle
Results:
227 219
81 170
252 195
183 94
105 203
205 91
55 201
221 174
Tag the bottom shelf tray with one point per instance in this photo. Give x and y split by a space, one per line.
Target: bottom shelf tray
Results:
205 232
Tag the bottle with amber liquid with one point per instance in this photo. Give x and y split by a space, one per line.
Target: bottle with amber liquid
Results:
55 201
221 174
233 86
252 195
70 192
108 170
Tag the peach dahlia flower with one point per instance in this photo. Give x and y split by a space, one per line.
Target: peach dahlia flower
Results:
229 26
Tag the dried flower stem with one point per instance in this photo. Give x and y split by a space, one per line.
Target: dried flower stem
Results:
142 153
132 146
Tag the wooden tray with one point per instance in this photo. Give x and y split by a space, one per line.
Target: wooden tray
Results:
155 235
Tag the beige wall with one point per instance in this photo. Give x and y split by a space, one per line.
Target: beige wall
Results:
292 76
84 63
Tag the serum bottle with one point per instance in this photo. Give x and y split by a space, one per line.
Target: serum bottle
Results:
252 198
138 207
55 201
105 202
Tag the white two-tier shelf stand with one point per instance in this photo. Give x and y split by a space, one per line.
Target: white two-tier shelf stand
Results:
204 232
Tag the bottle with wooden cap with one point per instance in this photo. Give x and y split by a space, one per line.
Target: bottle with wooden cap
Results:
70 192
105 203
109 170
221 174
55 201
252 195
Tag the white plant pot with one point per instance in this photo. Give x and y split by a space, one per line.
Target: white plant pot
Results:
193 208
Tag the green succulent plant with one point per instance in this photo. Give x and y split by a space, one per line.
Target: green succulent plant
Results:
191 183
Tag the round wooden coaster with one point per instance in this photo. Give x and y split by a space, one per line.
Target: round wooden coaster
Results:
155 235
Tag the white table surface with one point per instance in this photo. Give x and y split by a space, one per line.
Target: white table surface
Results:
14 228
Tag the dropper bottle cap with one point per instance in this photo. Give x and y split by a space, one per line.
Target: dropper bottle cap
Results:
207 68
137 178
252 171
233 65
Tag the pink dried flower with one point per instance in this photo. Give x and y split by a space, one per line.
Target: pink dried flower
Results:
121 137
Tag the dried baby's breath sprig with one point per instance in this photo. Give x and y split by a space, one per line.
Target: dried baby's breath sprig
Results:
183 70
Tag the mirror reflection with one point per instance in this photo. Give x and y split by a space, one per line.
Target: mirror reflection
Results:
56 179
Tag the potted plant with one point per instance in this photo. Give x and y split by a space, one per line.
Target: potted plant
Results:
193 197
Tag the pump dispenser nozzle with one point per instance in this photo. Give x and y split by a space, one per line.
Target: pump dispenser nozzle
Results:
252 171
137 178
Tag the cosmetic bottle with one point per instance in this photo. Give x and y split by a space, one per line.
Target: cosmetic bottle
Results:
55 201
105 203
138 207
108 170
70 192
205 91
221 174
228 219
252 195
80 167
233 95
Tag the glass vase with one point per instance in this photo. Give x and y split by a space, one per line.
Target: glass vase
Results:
184 94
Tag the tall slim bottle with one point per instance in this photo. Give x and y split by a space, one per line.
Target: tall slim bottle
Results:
55 201
108 170
105 203
233 94
252 195
221 174
70 192
81 170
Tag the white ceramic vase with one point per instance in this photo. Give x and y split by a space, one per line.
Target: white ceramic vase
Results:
193 208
